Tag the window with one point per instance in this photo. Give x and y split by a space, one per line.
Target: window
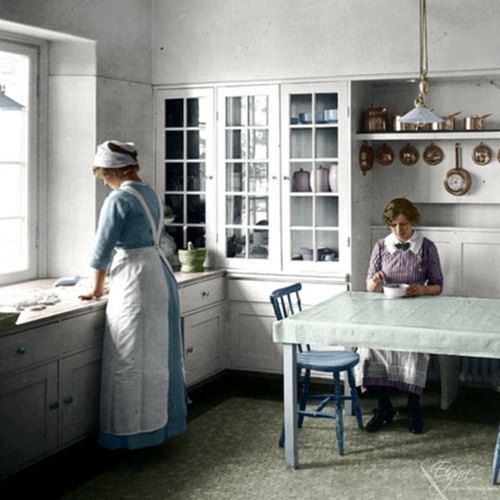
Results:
18 162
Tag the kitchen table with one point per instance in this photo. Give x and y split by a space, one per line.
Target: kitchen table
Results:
437 325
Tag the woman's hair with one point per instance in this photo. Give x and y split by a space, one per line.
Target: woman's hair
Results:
401 206
101 172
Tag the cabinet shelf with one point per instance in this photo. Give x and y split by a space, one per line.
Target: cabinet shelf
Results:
426 136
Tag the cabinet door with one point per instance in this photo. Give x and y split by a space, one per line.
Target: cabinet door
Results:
28 416
316 168
185 166
248 153
202 338
80 378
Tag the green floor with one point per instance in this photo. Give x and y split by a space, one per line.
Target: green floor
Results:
230 452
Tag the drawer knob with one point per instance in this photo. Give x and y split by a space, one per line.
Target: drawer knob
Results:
189 350
205 293
21 350
68 400
54 405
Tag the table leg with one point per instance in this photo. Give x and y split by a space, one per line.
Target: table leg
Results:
290 404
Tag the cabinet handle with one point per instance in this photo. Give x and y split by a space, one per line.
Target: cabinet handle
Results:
205 293
21 350
189 350
54 405
68 400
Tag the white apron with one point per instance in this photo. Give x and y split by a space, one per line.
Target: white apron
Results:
135 375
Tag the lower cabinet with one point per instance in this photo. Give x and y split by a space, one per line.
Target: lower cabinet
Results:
49 388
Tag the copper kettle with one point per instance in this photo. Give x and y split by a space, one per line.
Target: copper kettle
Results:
375 119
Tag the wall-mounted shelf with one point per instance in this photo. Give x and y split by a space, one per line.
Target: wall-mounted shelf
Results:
426 136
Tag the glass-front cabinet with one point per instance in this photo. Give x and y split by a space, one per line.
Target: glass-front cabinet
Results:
185 176
315 166
248 177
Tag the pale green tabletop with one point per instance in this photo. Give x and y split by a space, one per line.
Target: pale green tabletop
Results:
439 325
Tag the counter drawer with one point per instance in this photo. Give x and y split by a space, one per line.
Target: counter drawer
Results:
30 347
201 294
82 331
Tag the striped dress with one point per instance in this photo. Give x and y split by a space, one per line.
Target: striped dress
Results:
406 371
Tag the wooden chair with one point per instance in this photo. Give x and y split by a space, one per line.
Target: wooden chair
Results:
286 302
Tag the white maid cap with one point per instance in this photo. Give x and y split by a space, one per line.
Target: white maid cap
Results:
105 157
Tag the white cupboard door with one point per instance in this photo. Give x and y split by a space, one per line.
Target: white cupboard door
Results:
316 165
202 336
29 410
248 178
80 379
185 164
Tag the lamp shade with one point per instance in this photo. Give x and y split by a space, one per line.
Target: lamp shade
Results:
8 104
421 115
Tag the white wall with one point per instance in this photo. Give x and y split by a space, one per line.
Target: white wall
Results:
238 40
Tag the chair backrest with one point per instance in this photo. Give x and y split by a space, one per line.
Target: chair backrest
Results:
286 301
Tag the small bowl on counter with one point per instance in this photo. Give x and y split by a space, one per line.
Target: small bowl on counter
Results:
395 291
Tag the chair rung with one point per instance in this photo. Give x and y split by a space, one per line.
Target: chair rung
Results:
332 398
316 414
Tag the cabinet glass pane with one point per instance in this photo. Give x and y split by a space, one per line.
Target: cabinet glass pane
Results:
301 143
174 145
327 211
196 144
236 111
258 210
258 110
301 108
327 142
174 112
174 177
320 179
177 233
328 246
196 177
300 174
196 109
235 176
236 144
196 235
258 144
258 241
196 209
235 243
301 207
326 108
236 210
302 245
258 177
176 203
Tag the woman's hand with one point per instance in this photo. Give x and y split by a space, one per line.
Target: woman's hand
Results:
420 290
99 288
375 284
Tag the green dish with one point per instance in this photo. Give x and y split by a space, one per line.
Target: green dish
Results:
8 318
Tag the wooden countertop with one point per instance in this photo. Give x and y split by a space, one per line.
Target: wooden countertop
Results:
66 299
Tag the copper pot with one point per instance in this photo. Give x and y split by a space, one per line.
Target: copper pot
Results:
398 126
375 119
448 122
475 122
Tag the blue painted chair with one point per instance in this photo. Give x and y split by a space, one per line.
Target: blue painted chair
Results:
286 302
496 460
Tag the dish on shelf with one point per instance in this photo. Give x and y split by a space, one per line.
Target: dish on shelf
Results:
482 154
385 155
433 155
408 155
168 219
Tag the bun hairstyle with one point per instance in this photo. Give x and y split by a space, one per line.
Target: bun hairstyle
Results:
401 206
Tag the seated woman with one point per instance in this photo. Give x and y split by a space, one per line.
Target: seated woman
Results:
404 256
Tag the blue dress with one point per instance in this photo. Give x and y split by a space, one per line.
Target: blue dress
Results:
123 224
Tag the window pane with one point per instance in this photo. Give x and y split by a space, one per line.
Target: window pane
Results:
235 177
196 177
196 235
11 190
196 209
258 145
196 112
235 210
258 177
174 145
258 110
174 113
236 111
175 202
12 233
235 243
173 177
236 144
196 144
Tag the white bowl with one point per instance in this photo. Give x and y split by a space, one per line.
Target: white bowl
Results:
395 291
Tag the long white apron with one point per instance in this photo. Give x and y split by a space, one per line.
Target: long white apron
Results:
135 375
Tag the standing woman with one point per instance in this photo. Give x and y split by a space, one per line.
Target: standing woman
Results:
142 385
404 256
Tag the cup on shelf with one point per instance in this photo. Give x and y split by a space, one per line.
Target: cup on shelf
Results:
331 115
305 118
294 120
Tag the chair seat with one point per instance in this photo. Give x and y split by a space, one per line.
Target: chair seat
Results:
327 361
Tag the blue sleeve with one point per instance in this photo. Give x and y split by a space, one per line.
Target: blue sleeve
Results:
112 220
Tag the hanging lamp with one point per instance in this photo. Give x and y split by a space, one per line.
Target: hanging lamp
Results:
421 114
8 104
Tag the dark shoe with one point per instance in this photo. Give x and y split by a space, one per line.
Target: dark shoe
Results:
415 424
380 418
